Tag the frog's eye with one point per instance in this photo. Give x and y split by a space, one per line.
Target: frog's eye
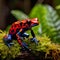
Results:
35 20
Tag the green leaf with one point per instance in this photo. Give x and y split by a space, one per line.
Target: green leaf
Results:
7 29
19 14
40 12
49 20
58 7
54 23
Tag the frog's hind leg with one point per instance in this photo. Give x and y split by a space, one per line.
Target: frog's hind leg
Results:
22 44
8 39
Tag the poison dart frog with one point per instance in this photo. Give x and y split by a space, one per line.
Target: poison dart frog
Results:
18 30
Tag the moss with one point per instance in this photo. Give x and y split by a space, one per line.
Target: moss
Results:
6 52
44 45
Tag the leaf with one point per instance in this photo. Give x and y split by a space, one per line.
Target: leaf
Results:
19 14
49 20
7 29
58 7
54 23
39 11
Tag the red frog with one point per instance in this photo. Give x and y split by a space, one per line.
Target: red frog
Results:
18 29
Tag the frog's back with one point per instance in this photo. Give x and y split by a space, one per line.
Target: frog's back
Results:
15 27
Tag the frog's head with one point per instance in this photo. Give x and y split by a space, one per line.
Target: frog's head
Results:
34 22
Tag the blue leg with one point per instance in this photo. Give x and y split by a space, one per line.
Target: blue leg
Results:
23 35
25 45
9 37
8 40
34 40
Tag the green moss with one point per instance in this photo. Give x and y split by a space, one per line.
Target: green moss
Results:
44 45
6 52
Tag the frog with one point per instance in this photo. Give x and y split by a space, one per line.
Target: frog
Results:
18 30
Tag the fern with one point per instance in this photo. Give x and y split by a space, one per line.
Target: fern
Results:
49 20
54 22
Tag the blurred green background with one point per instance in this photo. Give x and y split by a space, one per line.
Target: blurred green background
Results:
6 6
